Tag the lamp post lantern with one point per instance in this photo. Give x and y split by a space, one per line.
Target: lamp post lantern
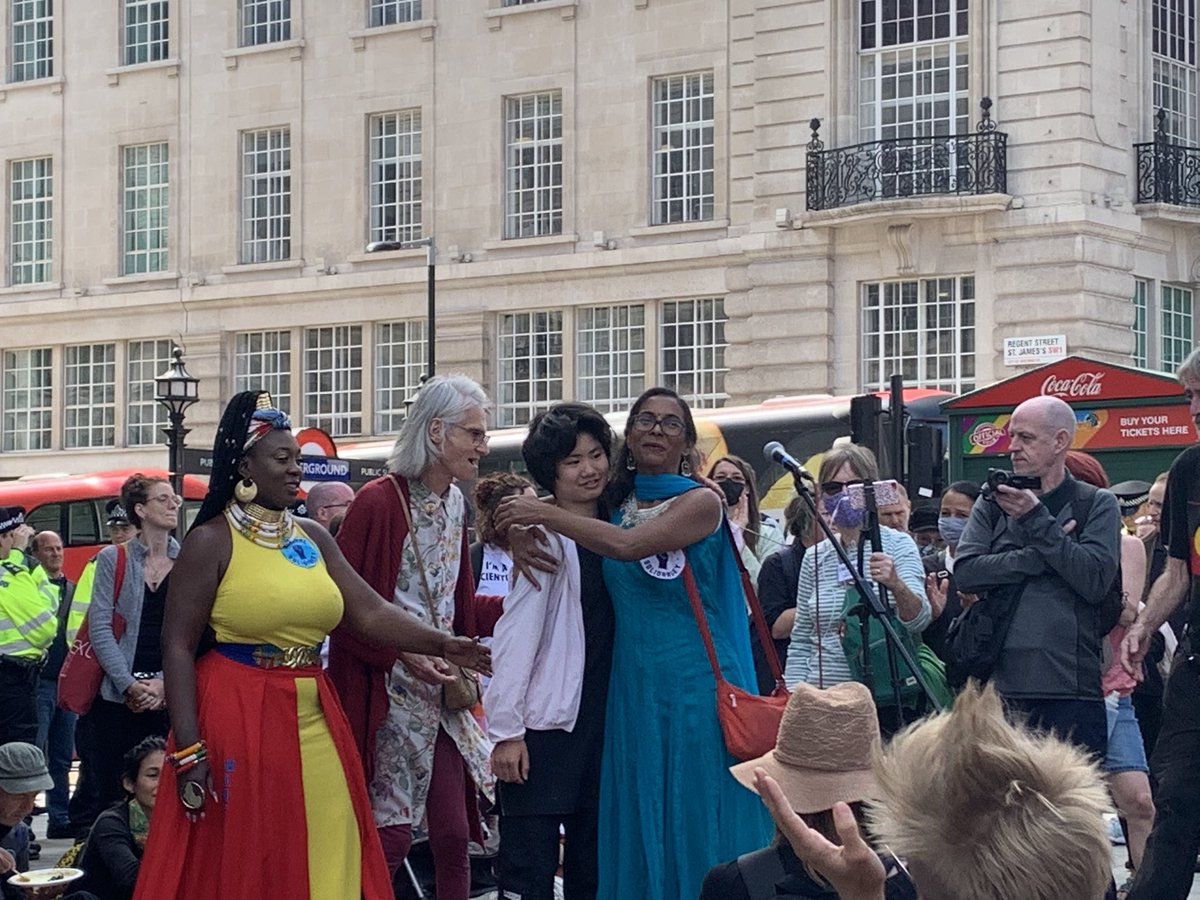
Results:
176 389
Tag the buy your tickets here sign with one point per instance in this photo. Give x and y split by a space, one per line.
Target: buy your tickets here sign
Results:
1092 388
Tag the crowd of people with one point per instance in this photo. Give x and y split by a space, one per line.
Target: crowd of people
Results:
367 674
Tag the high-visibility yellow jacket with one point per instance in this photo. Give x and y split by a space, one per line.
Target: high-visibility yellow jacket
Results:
28 608
81 600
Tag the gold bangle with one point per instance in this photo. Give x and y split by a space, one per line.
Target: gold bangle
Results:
192 796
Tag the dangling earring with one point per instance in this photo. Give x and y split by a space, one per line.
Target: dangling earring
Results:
630 465
245 491
685 467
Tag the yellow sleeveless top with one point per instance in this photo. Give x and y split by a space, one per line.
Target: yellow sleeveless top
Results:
265 598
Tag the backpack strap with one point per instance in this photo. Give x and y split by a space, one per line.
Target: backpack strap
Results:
761 871
1081 504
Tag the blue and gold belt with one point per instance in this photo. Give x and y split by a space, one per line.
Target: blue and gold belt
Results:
268 656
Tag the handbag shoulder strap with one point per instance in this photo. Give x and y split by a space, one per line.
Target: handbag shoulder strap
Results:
412 536
119 575
760 621
689 581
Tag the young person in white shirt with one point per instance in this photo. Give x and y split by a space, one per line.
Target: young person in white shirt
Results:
553 650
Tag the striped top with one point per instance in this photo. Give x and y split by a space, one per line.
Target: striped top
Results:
830 667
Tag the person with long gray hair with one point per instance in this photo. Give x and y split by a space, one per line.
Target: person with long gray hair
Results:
406 535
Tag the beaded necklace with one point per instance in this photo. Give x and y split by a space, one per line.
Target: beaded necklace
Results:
270 528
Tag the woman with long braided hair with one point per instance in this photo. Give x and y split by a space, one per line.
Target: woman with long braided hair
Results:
267 791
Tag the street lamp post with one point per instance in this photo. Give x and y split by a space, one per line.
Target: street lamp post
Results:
430 291
176 389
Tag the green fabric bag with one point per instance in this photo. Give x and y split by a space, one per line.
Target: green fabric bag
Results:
881 689
934 671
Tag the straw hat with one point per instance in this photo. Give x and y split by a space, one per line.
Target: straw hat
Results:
823 752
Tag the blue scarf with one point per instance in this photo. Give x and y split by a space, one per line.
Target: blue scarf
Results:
660 487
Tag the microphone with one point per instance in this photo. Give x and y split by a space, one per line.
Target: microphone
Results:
774 452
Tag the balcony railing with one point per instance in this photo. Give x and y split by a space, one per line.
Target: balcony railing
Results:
1167 172
975 163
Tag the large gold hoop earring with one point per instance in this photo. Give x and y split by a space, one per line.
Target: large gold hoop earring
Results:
245 491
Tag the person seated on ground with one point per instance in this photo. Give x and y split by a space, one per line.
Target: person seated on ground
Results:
23 773
112 855
977 808
822 757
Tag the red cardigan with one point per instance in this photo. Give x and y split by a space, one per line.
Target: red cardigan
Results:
372 540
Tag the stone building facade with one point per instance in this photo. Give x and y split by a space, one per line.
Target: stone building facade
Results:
622 193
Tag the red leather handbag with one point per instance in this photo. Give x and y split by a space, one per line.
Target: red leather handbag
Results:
749 721
80 676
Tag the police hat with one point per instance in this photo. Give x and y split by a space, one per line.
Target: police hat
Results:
10 518
1131 494
116 513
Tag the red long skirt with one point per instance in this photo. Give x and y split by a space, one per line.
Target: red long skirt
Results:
292 816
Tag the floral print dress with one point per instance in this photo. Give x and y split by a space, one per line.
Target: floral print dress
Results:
405 741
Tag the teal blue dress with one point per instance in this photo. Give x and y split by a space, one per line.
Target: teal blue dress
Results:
669 809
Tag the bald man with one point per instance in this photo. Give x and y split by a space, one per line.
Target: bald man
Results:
1027 547
327 499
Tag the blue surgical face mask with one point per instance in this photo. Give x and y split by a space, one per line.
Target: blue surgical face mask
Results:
841 513
951 528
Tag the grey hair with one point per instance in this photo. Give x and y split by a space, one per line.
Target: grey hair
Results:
1190 369
445 397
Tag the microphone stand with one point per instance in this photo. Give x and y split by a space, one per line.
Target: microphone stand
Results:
873 604
892 640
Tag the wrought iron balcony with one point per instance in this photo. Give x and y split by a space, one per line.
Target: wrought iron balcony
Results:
975 163
1167 172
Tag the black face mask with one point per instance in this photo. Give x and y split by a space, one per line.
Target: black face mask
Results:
733 491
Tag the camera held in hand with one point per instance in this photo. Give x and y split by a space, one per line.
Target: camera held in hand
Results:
997 477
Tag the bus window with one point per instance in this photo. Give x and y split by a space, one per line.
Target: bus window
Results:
83 525
47 517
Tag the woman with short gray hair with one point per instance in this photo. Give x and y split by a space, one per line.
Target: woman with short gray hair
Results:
406 535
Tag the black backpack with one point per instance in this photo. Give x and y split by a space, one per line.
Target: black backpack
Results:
975 639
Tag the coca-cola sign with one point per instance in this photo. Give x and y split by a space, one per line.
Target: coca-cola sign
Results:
1079 387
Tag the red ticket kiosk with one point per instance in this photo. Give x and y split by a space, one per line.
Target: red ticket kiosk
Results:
1134 421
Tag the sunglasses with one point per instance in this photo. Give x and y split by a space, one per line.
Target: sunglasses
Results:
833 488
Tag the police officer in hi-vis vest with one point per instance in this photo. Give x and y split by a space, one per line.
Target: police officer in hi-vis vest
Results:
28 624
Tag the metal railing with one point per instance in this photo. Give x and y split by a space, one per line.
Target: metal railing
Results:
1167 172
975 163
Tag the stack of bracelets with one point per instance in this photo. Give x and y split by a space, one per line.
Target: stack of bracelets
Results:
188 757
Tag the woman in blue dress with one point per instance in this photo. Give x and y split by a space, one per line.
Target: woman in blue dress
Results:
669 809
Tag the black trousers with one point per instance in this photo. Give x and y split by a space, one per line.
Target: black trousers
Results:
18 701
84 805
118 729
1169 863
528 857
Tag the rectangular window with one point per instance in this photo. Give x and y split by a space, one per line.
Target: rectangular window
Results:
530 365
1178 337
400 354
683 148
692 347
333 379
145 417
262 361
266 22
32 49
1141 292
923 330
533 165
1173 67
610 355
27 399
396 177
90 402
266 195
392 12
31 214
146 31
913 75
145 196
